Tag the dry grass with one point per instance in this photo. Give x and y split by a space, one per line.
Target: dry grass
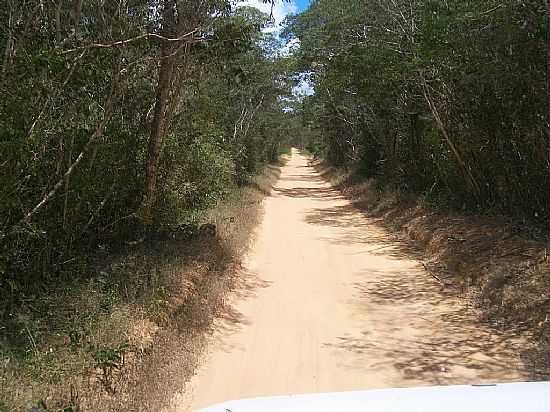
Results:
131 337
502 266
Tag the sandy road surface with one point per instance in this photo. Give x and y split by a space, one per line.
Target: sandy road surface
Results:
331 302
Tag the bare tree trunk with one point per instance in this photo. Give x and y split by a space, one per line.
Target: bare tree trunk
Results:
166 74
76 14
67 181
179 76
157 134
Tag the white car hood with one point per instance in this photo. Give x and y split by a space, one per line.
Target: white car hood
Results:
511 397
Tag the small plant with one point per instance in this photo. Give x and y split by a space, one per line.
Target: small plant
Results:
110 360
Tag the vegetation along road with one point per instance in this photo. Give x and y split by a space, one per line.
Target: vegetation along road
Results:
328 301
155 252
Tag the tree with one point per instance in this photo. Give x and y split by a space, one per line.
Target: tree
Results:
103 87
435 97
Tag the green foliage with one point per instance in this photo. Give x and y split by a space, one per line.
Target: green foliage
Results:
79 90
223 101
385 72
197 176
109 360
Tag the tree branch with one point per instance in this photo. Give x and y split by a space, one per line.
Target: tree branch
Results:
467 172
97 133
132 40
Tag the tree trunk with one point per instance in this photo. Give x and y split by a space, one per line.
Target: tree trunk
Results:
166 74
156 135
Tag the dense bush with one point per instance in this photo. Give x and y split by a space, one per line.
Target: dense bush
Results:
447 98
198 176
120 114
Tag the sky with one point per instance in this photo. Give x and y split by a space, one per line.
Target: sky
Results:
304 87
280 11
302 4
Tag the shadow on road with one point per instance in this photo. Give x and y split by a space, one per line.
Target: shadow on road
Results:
230 320
359 230
308 192
460 344
434 361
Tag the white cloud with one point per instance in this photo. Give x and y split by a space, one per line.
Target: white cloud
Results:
281 10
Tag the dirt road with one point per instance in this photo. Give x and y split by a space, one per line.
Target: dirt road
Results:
332 302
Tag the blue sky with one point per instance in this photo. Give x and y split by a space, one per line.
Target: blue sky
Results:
280 11
281 8
302 4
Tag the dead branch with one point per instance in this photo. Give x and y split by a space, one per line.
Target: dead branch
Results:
467 172
98 132
132 40
254 111
432 274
